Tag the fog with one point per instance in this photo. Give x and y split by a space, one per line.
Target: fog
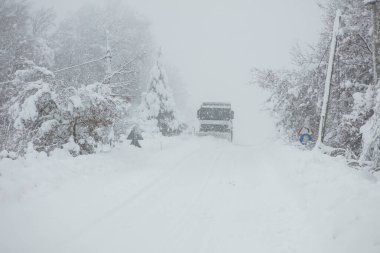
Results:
215 43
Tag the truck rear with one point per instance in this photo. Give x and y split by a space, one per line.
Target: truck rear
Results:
216 119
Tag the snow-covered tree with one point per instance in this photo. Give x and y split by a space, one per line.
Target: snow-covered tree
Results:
93 113
42 21
30 104
371 136
297 94
43 111
158 110
14 34
82 37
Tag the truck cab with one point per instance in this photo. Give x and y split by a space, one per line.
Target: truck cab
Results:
216 119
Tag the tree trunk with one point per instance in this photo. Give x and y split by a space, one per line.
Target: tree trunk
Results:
375 43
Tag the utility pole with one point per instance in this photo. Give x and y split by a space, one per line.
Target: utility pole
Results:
108 56
326 97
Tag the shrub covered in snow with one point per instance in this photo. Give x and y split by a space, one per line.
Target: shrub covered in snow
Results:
47 114
93 113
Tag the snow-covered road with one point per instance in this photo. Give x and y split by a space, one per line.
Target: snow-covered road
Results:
192 195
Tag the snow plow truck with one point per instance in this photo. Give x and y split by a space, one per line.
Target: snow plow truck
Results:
216 119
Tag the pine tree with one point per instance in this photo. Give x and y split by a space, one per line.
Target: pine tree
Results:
158 109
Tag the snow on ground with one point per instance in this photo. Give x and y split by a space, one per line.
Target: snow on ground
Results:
191 194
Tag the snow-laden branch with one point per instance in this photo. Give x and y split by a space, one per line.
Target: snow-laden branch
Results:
123 69
365 42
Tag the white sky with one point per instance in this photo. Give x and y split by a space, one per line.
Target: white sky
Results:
214 43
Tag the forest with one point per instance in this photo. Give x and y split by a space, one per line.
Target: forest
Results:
78 83
353 119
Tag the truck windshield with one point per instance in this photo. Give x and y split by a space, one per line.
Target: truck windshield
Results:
214 114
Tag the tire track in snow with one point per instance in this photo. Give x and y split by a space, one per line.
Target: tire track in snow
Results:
149 203
146 188
179 227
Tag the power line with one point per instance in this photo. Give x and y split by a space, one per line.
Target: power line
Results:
79 65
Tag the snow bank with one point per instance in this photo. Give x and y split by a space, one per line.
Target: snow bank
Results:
37 174
342 201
